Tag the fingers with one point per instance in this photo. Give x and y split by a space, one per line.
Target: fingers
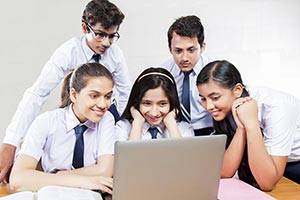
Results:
3 175
107 184
240 101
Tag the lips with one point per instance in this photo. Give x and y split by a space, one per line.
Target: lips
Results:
215 113
153 120
99 113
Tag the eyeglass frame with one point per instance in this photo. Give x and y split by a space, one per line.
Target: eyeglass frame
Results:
102 34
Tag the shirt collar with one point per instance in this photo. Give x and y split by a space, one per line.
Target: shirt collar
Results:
161 128
72 121
86 49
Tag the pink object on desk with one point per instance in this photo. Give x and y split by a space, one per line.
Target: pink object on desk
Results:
233 188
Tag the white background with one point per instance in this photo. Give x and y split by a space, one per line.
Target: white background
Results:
260 37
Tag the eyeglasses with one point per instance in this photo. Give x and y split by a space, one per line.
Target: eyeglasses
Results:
100 35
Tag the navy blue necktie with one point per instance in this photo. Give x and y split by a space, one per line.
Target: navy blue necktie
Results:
185 97
153 131
79 147
96 57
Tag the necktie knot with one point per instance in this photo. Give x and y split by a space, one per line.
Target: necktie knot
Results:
96 57
79 130
79 147
153 131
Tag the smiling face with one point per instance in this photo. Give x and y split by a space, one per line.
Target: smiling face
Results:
92 101
98 46
154 106
185 51
218 100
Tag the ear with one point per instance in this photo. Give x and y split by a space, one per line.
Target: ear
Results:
202 49
238 90
84 28
73 95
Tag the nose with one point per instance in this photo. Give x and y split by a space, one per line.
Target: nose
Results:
209 105
185 55
106 42
154 111
101 103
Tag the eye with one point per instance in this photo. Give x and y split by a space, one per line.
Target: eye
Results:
203 99
108 97
192 50
215 98
94 96
163 103
100 34
178 51
146 103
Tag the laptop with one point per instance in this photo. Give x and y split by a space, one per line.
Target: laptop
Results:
168 169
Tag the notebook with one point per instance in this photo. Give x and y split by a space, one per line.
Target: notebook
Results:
168 169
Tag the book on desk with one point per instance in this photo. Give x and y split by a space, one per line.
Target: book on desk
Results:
55 192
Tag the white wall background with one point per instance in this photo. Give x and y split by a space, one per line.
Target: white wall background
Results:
260 37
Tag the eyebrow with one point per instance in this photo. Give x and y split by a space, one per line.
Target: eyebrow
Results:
95 91
210 94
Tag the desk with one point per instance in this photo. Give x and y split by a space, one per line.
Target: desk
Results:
285 189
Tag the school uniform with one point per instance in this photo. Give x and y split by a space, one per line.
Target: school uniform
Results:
200 118
123 129
69 55
51 137
279 119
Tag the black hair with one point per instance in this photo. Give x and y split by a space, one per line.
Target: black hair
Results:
189 26
152 78
104 12
226 75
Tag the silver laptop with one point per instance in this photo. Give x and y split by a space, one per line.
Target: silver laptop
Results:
168 169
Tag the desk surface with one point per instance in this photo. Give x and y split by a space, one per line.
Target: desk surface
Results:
285 189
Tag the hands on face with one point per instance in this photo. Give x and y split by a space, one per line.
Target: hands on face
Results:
245 111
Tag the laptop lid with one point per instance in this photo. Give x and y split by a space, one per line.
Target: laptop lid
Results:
168 169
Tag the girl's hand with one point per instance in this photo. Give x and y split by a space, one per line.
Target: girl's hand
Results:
235 106
248 113
98 183
136 115
170 118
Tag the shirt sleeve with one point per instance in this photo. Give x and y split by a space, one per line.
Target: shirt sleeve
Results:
34 97
279 127
36 137
186 129
107 135
123 129
122 81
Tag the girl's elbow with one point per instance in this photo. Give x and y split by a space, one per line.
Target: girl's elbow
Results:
15 182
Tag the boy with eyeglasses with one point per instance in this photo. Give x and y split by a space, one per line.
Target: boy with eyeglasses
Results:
100 24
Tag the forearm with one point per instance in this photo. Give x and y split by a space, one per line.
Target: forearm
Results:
30 179
261 163
100 169
234 154
173 129
136 131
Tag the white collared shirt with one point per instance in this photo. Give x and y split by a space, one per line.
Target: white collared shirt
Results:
52 138
279 118
200 118
69 55
123 129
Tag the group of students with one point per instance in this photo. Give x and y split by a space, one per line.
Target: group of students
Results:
262 125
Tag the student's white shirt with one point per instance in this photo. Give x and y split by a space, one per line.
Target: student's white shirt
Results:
70 55
200 118
279 118
52 138
123 129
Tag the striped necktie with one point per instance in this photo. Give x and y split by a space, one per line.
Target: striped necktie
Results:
185 97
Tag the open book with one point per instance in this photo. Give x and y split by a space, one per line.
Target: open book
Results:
55 192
